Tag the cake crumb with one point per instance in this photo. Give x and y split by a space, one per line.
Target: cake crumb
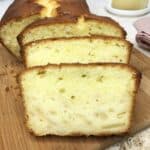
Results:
7 89
15 88
11 71
19 95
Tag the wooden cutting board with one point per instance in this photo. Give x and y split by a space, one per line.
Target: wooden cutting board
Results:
14 135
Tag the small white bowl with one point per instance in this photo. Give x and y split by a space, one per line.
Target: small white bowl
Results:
131 13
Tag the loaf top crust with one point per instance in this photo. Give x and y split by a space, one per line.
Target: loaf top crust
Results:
24 8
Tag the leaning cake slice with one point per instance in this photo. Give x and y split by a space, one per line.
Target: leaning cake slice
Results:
68 26
77 50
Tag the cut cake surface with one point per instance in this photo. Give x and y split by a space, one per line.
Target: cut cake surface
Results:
67 100
77 50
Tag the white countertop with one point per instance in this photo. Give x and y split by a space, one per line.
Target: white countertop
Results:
142 140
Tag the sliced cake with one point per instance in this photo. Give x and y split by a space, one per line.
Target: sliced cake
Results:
77 50
69 100
85 25
23 12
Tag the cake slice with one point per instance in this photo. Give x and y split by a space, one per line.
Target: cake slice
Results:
23 12
73 100
77 50
85 25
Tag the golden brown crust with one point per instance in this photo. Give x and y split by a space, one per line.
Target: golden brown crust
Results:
137 77
24 48
78 134
73 7
58 19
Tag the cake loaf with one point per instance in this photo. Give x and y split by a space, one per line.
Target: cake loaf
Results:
77 50
73 100
85 25
23 12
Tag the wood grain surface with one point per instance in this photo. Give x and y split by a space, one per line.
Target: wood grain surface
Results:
15 136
